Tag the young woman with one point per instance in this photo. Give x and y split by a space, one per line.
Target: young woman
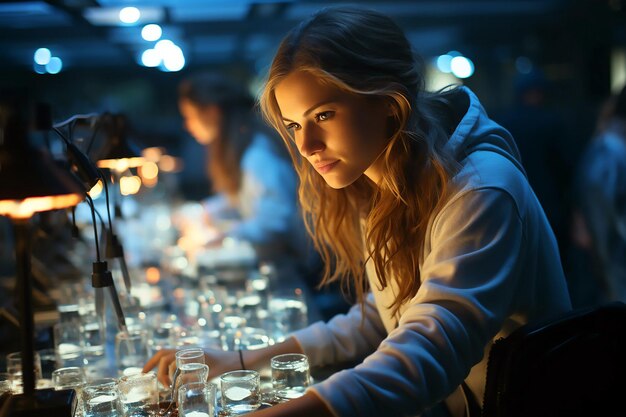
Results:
421 201
255 185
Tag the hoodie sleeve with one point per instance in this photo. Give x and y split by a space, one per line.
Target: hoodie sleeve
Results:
268 197
345 338
469 279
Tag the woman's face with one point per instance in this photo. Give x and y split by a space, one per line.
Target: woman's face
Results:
340 134
203 123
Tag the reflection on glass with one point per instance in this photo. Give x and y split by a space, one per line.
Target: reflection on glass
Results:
197 399
68 378
131 351
290 375
240 392
68 344
138 395
100 398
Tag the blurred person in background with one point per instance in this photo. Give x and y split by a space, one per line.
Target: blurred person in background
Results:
255 186
599 221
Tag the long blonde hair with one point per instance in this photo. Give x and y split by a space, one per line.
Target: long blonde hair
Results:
365 53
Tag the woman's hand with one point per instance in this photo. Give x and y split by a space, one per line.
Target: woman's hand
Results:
219 362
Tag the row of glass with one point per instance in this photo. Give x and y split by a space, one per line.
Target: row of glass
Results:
137 394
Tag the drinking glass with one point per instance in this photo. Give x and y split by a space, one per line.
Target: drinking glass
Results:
92 329
68 344
100 398
245 338
188 373
289 310
240 391
14 369
131 351
185 356
49 362
71 377
197 399
290 375
139 395
229 326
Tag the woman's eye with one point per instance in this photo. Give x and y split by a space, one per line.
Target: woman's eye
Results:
292 126
325 115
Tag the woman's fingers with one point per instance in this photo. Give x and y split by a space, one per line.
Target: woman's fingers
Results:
171 370
163 372
153 361
162 359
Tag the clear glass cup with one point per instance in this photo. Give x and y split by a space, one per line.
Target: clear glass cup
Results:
290 375
185 356
229 326
6 384
100 398
289 310
197 399
138 394
131 351
248 305
92 329
189 355
252 338
241 391
48 362
188 373
14 369
71 377
68 344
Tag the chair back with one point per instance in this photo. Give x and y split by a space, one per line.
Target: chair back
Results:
572 365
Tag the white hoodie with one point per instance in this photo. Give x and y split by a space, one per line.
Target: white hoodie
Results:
491 264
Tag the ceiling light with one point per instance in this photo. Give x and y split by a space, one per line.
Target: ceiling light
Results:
462 67
151 32
55 65
129 15
42 56
110 16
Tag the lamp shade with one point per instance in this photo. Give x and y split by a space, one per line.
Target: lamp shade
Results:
30 181
117 153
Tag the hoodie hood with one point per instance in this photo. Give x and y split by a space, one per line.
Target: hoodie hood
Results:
477 132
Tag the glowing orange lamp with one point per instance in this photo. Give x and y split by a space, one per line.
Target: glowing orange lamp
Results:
30 182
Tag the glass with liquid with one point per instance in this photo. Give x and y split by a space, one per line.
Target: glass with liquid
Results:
183 357
138 394
131 351
240 392
189 373
93 334
289 311
197 399
100 398
68 344
71 377
290 376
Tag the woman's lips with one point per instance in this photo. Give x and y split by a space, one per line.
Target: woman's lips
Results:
325 166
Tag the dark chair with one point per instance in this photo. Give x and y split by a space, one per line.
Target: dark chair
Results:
572 365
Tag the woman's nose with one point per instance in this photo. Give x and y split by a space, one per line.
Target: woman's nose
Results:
311 141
